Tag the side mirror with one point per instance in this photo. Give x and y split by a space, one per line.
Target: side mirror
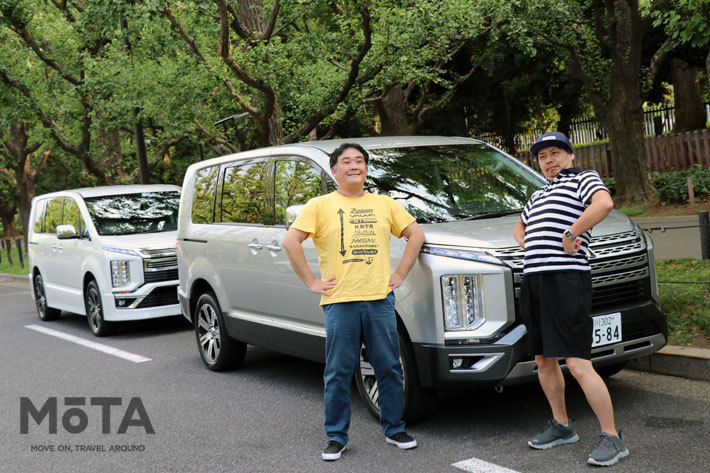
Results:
66 232
291 213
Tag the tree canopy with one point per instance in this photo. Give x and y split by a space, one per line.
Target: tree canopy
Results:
121 91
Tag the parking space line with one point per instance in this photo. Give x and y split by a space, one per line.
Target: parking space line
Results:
474 465
89 344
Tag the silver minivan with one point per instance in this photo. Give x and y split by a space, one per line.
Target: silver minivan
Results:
105 252
458 308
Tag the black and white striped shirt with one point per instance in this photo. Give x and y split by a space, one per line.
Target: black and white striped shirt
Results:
550 211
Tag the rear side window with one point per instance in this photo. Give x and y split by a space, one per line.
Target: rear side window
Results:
296 182
53 215
203 194
39 215
243 194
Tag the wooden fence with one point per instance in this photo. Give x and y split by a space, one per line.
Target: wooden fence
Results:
664 153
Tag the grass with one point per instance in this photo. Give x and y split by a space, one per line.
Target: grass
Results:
687 305
635 211
15 269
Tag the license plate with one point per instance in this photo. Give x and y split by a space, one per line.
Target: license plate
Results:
606 330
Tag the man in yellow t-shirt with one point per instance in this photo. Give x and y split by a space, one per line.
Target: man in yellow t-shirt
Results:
351 232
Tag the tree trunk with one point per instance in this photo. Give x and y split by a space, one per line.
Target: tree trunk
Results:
392 109
621 112
689 108
251 17
7 217
21 164
624 124
140 148
107 142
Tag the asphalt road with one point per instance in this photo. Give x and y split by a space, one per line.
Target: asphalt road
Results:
267 416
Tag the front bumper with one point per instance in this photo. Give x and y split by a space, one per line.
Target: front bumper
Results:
149 301
506 361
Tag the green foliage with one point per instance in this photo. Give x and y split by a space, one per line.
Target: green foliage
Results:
672 187
15 269
634 211
687 305
684 21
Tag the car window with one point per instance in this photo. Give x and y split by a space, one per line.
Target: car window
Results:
203 194
446 183
71 215
242 197
40 207
53 215
296 182
127 214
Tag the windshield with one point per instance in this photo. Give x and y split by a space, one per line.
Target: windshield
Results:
147 212
451 182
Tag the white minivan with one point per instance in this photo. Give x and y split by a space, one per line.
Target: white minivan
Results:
105 252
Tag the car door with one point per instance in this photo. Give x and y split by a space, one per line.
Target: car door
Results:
237 240
296 180
69 255
49 247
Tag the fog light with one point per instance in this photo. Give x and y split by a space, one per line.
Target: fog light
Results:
456 363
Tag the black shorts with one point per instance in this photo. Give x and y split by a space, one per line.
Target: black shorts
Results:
555 307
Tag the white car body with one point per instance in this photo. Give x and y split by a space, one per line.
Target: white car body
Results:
66 265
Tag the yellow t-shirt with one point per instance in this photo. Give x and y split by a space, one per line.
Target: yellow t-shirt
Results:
352 238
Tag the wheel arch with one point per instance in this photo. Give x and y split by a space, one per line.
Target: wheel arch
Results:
199 287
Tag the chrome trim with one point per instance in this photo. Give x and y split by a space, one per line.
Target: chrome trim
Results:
291 326
489 359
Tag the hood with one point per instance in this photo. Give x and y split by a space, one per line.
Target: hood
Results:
153 241
498 232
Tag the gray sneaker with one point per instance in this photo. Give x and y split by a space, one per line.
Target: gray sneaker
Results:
609 450
553 434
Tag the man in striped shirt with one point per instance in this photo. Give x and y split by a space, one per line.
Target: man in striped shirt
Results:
556 295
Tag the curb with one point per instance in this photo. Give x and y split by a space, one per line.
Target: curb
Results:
686 362
18 277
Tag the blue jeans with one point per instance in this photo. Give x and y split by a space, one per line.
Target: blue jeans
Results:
345 324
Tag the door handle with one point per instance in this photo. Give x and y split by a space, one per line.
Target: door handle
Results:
255 245
272 247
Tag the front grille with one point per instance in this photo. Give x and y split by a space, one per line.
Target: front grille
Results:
160 276
164 295
160 265
619 262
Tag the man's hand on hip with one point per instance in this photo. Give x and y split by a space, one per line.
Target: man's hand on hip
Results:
320 286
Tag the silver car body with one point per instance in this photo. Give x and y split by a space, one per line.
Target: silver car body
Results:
266 304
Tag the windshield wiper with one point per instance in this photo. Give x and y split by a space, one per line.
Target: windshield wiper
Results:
501 213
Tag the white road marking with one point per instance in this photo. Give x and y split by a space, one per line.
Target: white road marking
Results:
474 465
88 343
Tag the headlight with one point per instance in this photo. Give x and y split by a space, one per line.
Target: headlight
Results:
120 273
123 251
470 255
463 301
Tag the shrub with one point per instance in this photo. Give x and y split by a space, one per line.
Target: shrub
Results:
673 186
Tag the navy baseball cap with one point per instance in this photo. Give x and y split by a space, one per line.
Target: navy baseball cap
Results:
552 138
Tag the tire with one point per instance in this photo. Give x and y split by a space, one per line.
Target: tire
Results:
610 370
418 401
217 349
45 313
95 310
